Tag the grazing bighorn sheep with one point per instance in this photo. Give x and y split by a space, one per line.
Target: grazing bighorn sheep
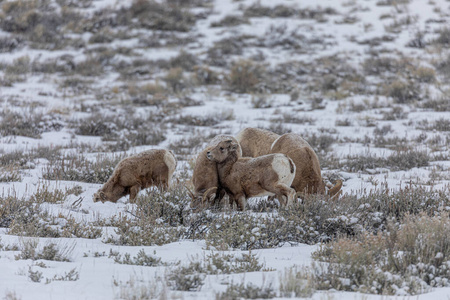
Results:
205 178
308 178
245 177
140 171
255 141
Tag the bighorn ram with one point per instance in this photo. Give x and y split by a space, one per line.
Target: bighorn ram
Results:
255 142
308 178
245 177
205 178
149 168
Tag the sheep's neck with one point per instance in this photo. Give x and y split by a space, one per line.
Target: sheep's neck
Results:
224 168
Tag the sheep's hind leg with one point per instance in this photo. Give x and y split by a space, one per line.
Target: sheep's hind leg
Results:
285 194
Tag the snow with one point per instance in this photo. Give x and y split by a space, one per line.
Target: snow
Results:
100 277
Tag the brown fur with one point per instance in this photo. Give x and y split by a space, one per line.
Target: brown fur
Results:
308 177
255 141
205 177
146 169
245 177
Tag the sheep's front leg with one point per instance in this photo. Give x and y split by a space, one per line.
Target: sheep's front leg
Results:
241 201
134 190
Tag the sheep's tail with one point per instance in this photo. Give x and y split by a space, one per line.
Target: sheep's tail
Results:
334 191
291 163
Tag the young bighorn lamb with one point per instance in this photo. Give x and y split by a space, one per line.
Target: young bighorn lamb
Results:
308 177
245 177
205 178
255 141
149 168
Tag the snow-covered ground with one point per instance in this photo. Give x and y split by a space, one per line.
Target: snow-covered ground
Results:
344 35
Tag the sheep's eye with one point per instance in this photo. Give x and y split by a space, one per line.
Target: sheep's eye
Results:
221 148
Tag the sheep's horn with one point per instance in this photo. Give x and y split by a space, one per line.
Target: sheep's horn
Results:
189 192
208 193
334 191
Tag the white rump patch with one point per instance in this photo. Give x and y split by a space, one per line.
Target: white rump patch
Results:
171 163
282 167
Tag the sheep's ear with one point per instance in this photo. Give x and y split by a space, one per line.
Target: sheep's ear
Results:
234 146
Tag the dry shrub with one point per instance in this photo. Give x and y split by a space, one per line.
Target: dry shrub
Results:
245 76
407 259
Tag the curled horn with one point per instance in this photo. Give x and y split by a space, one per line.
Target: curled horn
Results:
334 191
208 194
189 192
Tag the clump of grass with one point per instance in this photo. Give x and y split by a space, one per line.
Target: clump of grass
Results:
297 282
218 53
141 259
206 76
231 20
245 76
50 251
403 92
121 133
408 259
283 11
399 160
79 168
438 125
159 218
28 124
184 60
443 38
437 104
206 120
248 291
186 278
150 14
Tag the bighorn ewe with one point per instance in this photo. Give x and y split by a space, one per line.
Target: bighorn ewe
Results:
205 178
245 177
255 142
149 168
308 178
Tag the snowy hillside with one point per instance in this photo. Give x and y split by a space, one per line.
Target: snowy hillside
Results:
86 83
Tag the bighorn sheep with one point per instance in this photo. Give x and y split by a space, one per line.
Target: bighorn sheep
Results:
149 168
245 177
255 142
205 178
308 178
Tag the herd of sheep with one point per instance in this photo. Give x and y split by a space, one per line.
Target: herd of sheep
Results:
255 163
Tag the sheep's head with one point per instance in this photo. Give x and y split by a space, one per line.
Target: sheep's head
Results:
100 196
222 151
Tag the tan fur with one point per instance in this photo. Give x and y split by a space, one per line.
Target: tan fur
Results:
308 177
140 171
255 141
245 177
204 177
